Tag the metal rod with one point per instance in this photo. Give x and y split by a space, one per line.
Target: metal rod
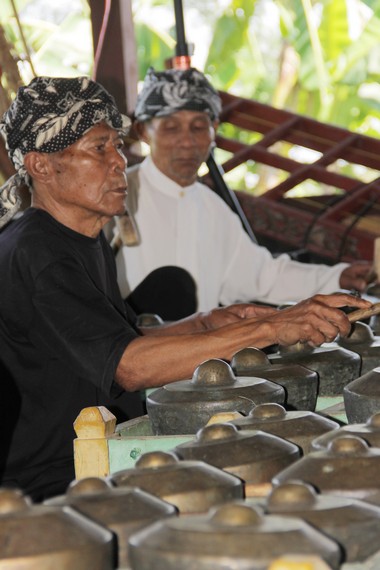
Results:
181 45
221 188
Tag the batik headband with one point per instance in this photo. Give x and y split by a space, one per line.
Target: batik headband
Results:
165 92
49 115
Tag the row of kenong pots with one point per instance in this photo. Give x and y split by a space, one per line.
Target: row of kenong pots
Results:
226 498
97 528
205 496
195 487
188 513
313 489
331 369
184 409
293 379
323 463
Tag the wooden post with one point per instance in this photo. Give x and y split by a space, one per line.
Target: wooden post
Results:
376 256
117 67
93 426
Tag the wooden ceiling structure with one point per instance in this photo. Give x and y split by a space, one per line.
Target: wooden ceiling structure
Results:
340 225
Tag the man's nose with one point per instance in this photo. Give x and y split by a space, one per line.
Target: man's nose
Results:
118 160
187 138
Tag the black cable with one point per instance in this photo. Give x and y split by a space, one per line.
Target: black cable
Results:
333 200
367 206
228 195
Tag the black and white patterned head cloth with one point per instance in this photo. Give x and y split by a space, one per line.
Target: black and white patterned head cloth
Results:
165 92
48 115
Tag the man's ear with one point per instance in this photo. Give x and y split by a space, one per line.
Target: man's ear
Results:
37 165
215 125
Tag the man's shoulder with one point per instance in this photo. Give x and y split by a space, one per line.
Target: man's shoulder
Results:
34 236
26 248
22 228
31 221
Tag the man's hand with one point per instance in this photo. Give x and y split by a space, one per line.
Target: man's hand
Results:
226 315
315 320
357 276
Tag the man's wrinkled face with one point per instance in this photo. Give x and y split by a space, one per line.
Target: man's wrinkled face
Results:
90 174
179 143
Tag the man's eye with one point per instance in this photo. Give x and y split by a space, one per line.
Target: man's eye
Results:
171 128
200 127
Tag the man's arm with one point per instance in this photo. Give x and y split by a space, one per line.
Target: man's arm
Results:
216 318
174 352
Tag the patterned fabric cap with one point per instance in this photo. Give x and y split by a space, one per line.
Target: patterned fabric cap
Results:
165 92
48 115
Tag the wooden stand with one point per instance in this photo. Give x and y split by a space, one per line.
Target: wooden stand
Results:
376 256
93 426
102 448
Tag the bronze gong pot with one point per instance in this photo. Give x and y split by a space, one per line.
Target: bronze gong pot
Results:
38 537
336 366
122 510
300 383
253 456
362 397
354 524
186 406
191 486
148 320
299 427
365 343
234 535
348 468
369 431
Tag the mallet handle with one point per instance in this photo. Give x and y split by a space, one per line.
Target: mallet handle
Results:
364 313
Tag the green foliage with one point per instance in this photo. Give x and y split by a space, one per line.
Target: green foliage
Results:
51 39
153 47
327 56
230 44
334 29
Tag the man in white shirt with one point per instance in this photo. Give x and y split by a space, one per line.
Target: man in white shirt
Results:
183 223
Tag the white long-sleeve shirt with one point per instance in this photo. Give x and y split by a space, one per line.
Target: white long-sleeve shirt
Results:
193 228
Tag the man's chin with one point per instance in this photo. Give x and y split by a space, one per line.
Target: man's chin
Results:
121 211
185 174
185 178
